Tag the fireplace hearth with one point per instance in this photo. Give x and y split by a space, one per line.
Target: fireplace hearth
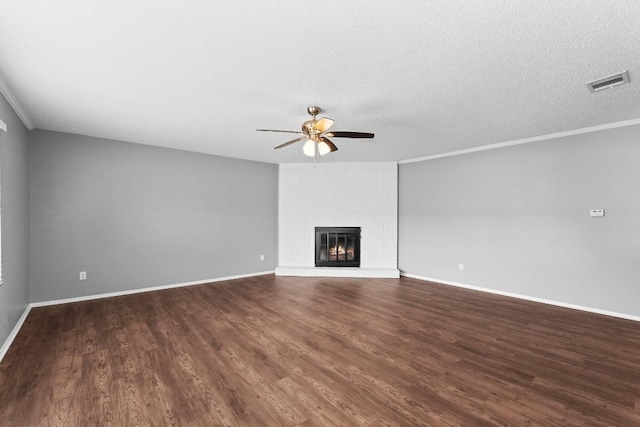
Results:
337 246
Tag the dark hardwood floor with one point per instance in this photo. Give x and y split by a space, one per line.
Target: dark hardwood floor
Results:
285 351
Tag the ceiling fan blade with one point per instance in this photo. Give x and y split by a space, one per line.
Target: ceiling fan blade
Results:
293 141
341 134
331 145
323 124
282 131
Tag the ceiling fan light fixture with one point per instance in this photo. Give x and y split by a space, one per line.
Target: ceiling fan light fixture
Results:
309 148
323 148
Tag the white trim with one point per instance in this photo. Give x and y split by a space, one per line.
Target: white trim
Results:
381 273
141 290
16 329
4 89
526 297
525 140
3 125
14 333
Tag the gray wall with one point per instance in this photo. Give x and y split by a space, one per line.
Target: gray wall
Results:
14 155
518 218
136 216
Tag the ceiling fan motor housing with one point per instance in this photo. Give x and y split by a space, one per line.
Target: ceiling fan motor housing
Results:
307 127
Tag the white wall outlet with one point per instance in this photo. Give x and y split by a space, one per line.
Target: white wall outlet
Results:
83 275
261 257
596 212
461 266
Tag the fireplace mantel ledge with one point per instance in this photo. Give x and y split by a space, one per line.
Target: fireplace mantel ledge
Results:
384 273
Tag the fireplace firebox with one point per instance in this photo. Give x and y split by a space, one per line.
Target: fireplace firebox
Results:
337 246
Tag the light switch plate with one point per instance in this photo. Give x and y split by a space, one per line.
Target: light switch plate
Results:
596 212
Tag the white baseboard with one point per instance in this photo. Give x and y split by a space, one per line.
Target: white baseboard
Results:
14 332
390 273
16 329
382 273
141 290
526 297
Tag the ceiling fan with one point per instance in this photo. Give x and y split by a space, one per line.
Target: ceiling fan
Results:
316 133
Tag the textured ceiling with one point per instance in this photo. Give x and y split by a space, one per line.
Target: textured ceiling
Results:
427 77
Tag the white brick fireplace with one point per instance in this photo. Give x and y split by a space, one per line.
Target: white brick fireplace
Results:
338 195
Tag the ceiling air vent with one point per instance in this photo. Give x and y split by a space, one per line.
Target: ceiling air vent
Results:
609 81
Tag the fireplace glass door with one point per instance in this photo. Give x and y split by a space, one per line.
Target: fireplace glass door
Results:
337 246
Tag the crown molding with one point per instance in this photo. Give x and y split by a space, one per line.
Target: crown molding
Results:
613 125
4 89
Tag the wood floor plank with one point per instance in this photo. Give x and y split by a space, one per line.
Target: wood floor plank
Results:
288 351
